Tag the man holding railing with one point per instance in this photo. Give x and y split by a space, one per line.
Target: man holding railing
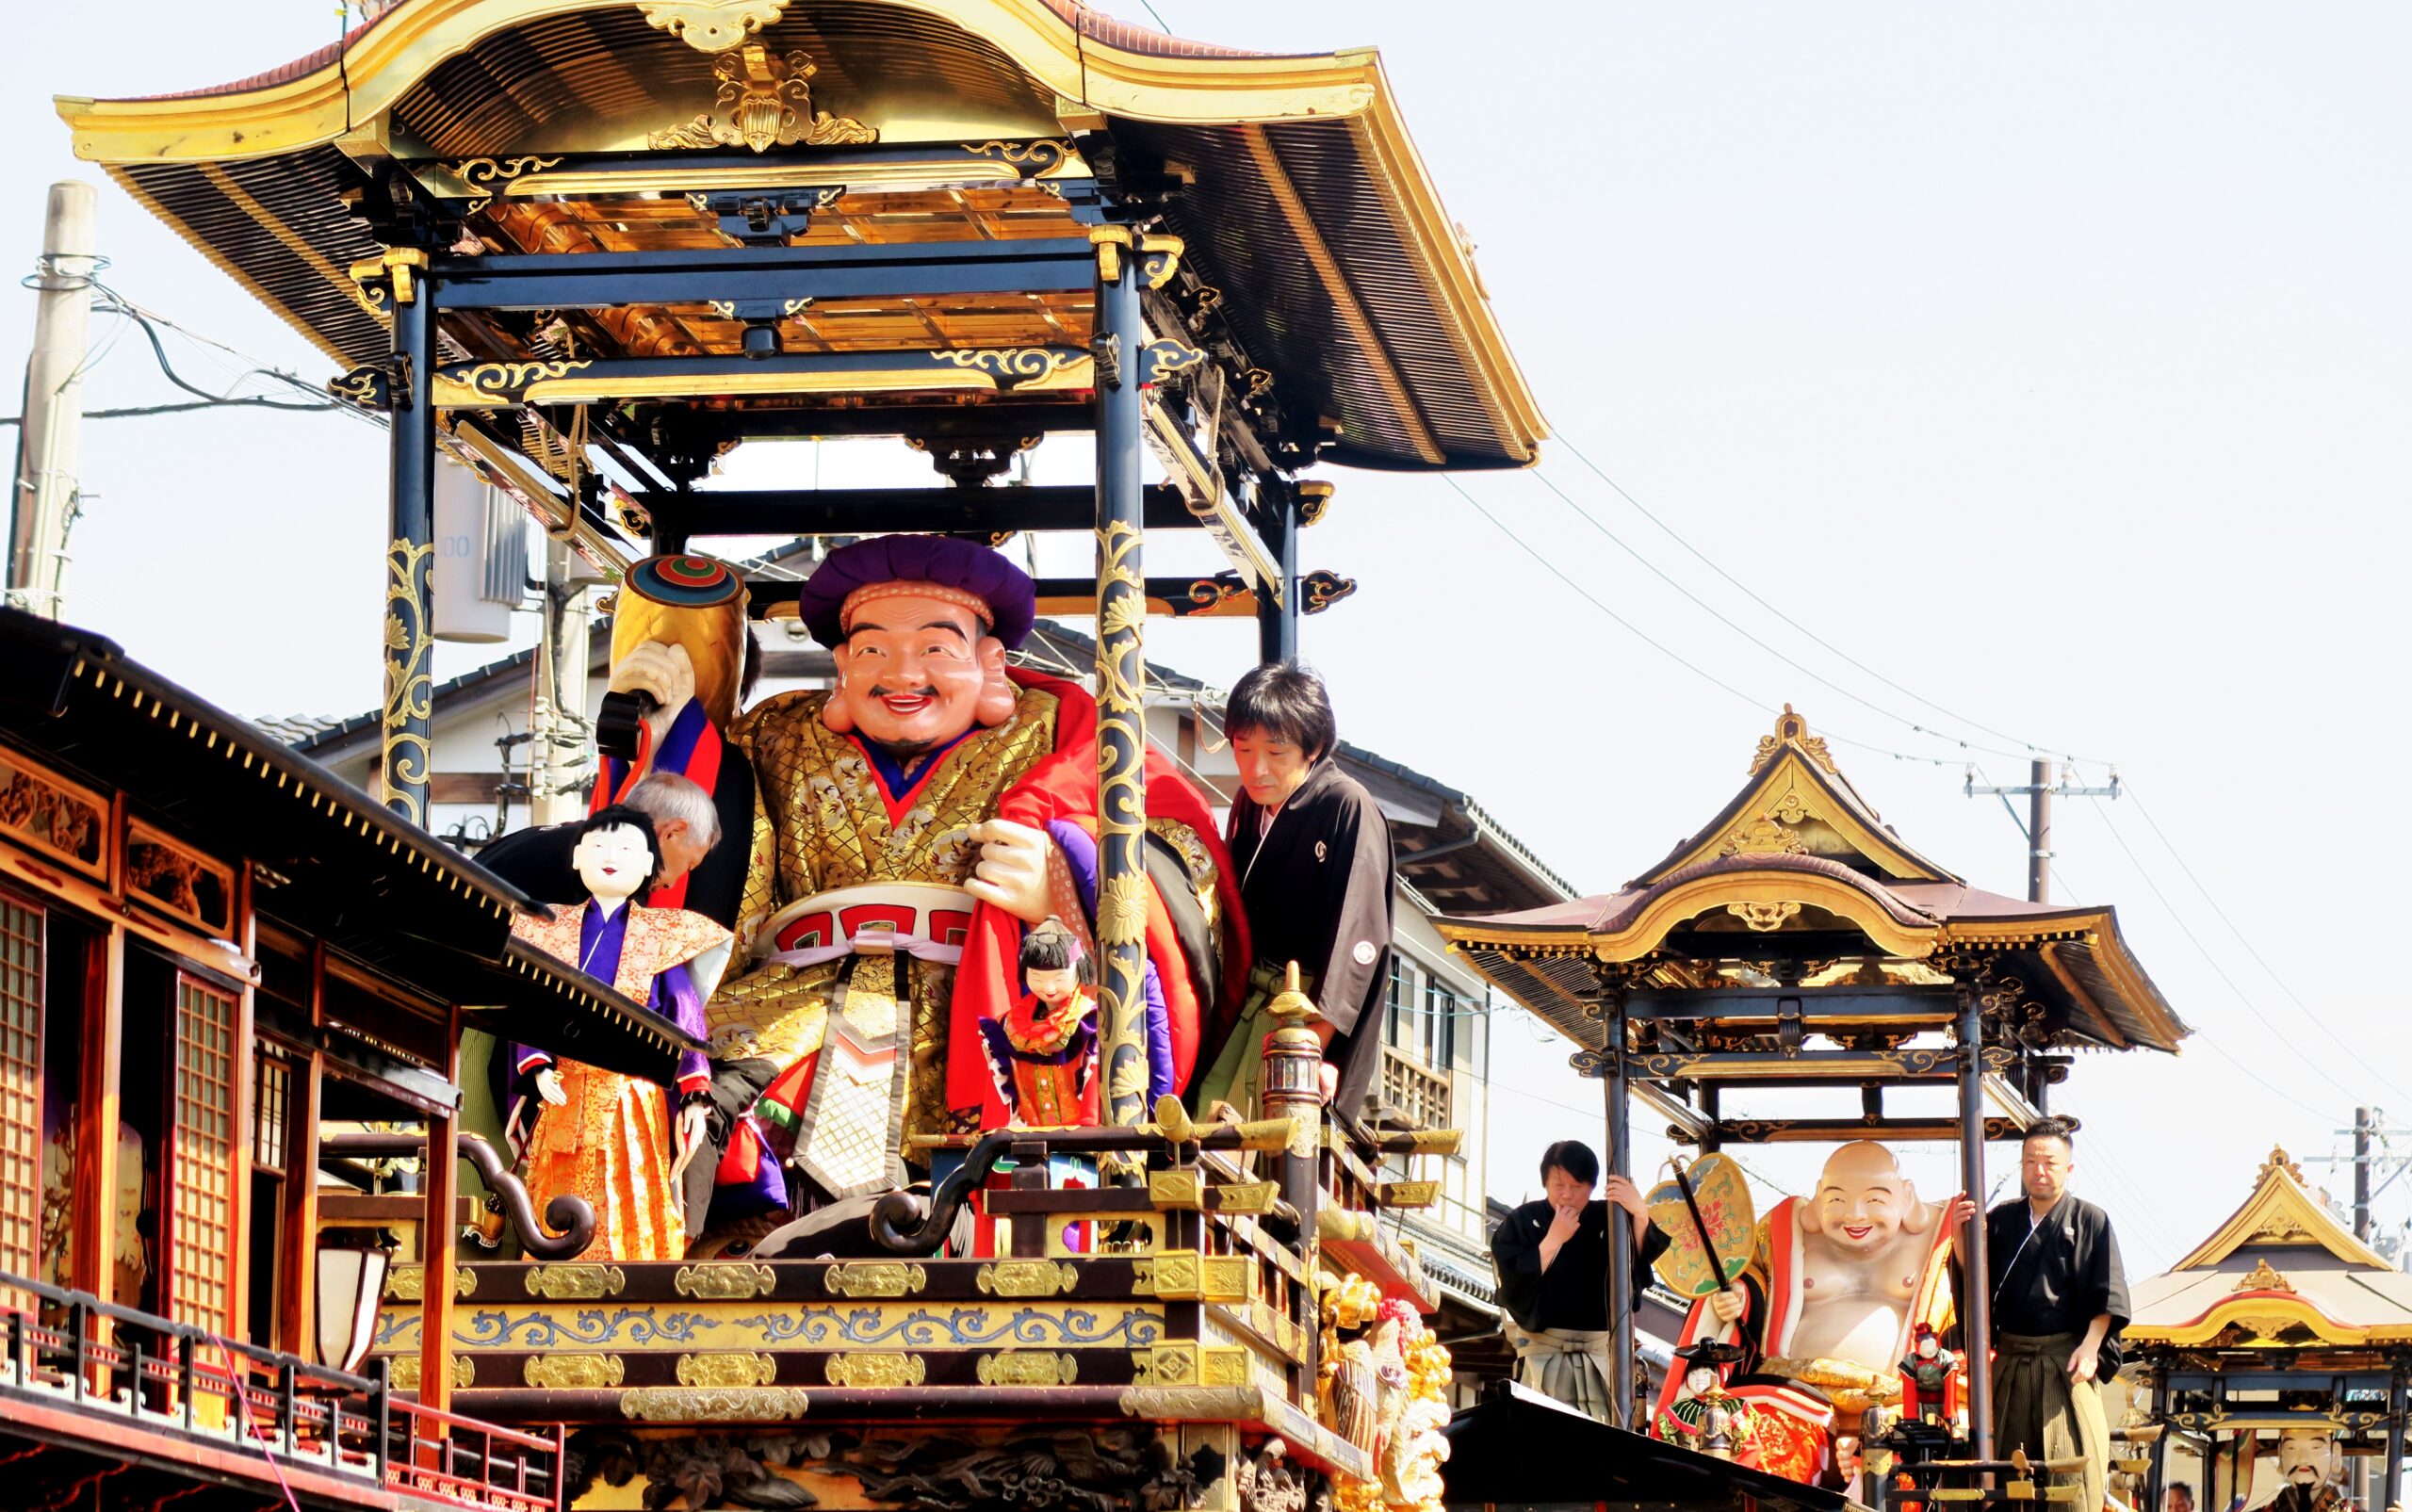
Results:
1552 1261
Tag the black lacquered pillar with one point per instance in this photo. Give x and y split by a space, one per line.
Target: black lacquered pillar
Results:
1121 676
1616 1091
1277 625
410 558
1977 1306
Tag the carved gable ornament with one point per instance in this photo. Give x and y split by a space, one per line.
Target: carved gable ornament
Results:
765 100
710 25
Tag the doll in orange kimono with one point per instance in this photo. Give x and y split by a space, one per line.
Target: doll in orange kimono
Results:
1043 1050
603 1136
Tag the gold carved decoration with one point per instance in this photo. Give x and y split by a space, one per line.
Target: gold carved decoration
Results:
503 380
1044 156
410 594
1109 242
1159 259
709 25
682 1404
1252 1197
1763 835
1408 1194
724 1281
877 1368
1763 919
2263 1279
1315 494
1027 1368
2280 1160
1791 729
574 1372
725 1371
764 102
404 1374
1028 1278
575 1283
1011 364
487 178
874 1279
408 1283
1177 1189
394 265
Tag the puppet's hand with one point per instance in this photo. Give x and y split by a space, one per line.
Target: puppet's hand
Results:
693 1121
663 672
548 1087
1728 1306
1011 873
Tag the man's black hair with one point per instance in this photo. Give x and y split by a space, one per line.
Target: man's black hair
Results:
1286 700
1049 947
749 669
614 817
2054 1127
1574 1158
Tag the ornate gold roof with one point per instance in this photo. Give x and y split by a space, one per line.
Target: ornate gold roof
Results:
1305 206
2283 1272
1798 853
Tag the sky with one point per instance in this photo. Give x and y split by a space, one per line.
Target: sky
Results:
2047 361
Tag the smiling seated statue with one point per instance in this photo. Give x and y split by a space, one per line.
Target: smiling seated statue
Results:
1836 1289
910 825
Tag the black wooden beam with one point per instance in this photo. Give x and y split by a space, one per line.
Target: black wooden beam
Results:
1813 1005
698 276
831 512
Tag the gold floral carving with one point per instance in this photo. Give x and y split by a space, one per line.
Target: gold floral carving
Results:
502 380
575 1283
409 689
874 1279
1027 1278
724 1281
682 1404
2280 1160
877 1368
1763 835
574 1372
1763 919
709 25
404 1375
725 1371
1027 1368
764 102
1033 157
2263 1279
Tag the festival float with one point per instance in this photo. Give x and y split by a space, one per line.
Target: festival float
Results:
1795 940
801 1233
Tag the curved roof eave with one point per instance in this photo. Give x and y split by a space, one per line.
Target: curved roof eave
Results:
1086 60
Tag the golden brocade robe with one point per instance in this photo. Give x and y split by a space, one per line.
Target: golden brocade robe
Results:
613 1138
822 823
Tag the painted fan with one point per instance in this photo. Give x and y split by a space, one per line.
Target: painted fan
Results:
1706 1213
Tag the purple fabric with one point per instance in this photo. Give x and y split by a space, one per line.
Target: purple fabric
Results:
1081 853
1008 592
673 996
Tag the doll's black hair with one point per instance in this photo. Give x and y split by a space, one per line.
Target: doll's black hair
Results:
1051 947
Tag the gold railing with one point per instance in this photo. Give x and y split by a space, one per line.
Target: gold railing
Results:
1417 1091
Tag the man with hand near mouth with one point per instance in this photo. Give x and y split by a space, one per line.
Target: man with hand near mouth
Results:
1552 1261
2060 1299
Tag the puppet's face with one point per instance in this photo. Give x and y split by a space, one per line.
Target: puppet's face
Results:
1861 1198
911 672
613 863
1055 986
1927 1346
2306 1456
1271 765
1701 1379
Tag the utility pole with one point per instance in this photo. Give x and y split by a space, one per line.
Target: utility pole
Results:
49 433
2362 1124
558 727
2039 791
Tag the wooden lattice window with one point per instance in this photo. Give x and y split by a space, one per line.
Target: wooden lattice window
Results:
272 1106
21 940
201 1176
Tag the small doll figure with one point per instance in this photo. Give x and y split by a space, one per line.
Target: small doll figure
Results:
1929 1379
1704 1416
1043 1053
606 1137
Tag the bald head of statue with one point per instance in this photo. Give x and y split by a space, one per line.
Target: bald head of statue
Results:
1863 1200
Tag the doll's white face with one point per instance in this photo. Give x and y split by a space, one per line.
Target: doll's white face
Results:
613 863
1700 1379
1055 987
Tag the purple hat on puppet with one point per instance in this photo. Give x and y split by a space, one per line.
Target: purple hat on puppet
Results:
981 580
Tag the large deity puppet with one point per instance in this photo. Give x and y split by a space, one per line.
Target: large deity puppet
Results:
1832 1300
908 825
